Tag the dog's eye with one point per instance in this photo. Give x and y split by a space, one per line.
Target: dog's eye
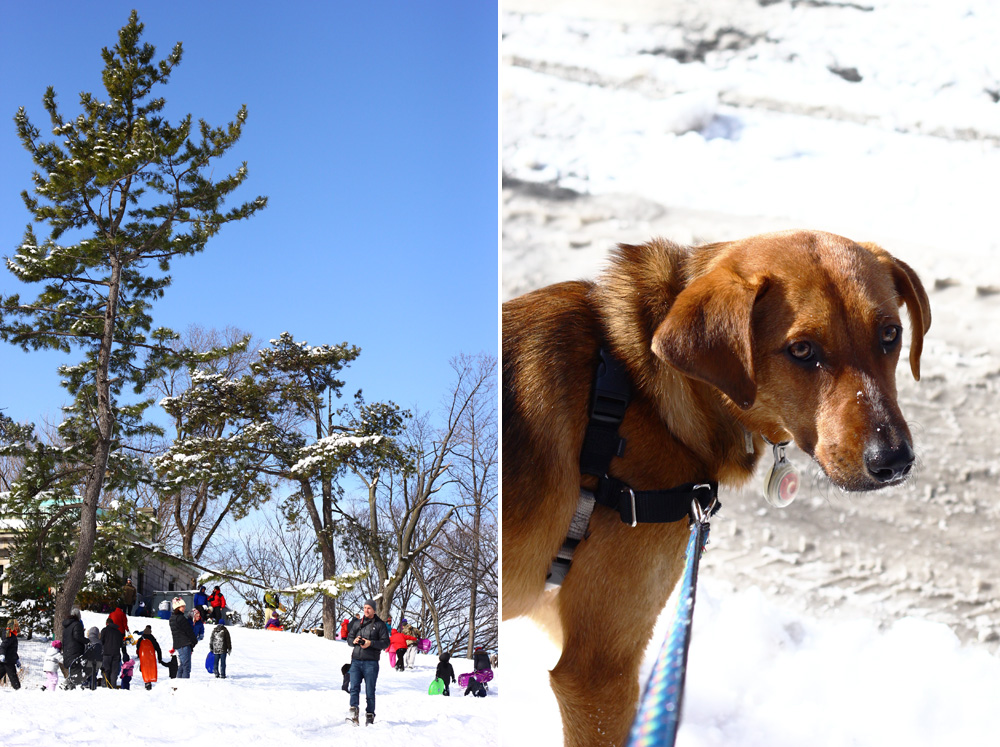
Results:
801 351
890 336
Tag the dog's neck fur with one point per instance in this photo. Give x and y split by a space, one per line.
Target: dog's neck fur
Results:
633 297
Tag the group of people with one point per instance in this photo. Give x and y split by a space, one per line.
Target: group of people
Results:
100 658
369 636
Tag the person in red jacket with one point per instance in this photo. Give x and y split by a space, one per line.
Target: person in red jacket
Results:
218 603
343 630
400 640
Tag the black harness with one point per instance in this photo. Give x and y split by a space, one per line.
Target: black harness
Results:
611 396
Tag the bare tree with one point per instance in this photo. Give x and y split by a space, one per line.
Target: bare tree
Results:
398 523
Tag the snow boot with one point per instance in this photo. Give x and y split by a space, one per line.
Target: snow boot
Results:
352 715
369 719
149 685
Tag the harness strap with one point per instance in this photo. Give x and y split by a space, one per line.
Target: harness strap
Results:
656 506
608 403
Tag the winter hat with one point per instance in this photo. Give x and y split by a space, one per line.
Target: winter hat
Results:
94 634
56 644
171 651
403 621
444 657
75 612
369 603
177 603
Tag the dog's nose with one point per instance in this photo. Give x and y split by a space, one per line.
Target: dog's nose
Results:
889 463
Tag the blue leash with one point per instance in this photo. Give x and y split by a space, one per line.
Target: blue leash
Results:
660 708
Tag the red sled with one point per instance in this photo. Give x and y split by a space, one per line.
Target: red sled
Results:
482 675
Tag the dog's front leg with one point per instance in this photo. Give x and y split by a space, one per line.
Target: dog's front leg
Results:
620 580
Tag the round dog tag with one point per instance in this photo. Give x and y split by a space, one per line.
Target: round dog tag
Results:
781 484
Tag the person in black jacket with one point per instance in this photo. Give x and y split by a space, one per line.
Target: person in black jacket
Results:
369 636
475 687
481 660
8 656
93 655
149 673
445 672
74 641
184 638
115 652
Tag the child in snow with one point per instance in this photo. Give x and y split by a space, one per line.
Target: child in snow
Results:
346 671
221 644
481 660
126 676
476 687
198 623
93 656
52 663
172 664
400 641
445 672
273 622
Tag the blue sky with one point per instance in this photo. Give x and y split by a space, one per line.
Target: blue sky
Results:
372 130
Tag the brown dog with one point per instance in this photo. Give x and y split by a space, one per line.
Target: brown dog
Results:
791 335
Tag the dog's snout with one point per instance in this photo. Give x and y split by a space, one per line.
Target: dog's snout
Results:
887 464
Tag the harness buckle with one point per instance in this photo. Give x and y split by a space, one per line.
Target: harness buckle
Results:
631 495
699 513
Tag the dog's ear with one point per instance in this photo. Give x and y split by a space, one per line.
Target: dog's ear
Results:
706 334
911 292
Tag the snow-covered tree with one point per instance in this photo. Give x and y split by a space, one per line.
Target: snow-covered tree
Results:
282 426
197 505
130 192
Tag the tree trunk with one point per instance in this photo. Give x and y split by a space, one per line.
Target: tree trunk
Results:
73 582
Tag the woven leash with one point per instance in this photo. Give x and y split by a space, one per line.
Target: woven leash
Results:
660 708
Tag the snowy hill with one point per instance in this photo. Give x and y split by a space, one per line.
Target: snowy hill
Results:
281 688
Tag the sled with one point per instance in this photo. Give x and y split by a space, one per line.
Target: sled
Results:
424 645
210 662
147 660
481 675
277 628
437 687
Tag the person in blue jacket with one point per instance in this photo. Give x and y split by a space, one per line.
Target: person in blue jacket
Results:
200 602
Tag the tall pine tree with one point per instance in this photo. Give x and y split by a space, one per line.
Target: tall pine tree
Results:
131 192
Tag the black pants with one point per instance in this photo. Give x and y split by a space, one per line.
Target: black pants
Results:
9 670
400 655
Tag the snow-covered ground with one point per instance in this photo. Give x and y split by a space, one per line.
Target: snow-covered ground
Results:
842 619
280 689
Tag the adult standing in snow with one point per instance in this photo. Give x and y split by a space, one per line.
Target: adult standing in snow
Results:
221 644
113 643
343 629
8 656
183 636
74 641
218 604
369 637
411 651
128 596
